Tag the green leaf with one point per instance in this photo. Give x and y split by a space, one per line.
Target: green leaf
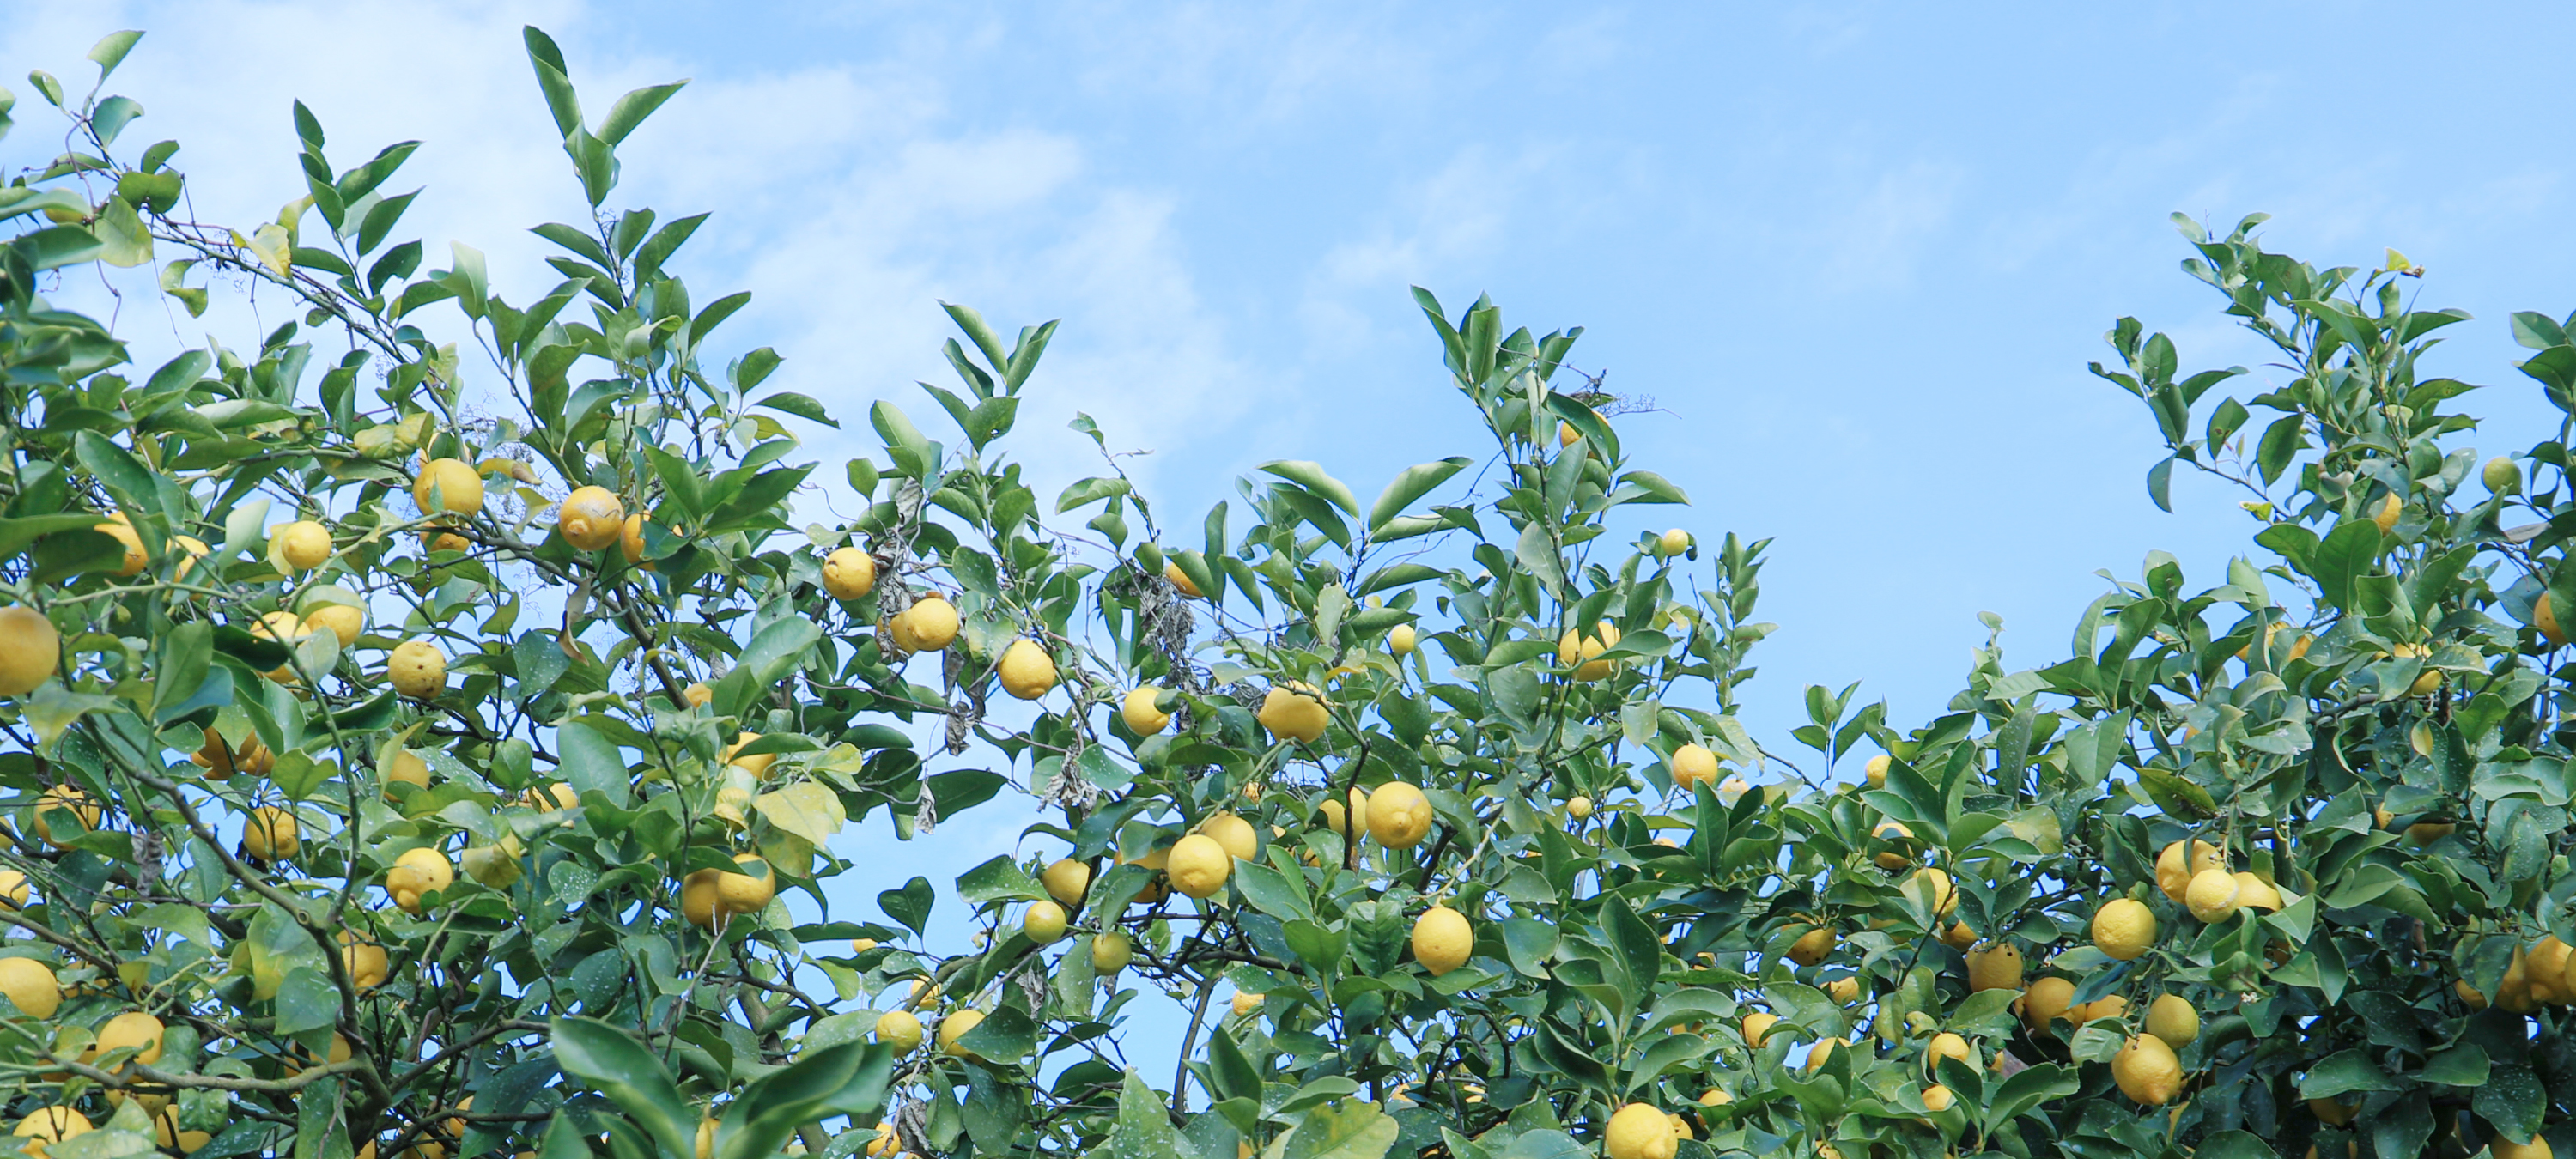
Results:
806 809
631 109
1537 555
591 763
2235 1145
1311 476
802 406
2347 554
2464 1065
1004 1036
2512 1099
2344 1073
306 1001
111 49
910 905
1000 879
776 650
1656 488
118 469
1144 1126
621 1068
1350 1129
1412 483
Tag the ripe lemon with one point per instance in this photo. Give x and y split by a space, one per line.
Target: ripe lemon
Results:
757 764
1442 939
1947 1045
550 798
121 529
1892 832
929 625
449 484
2147 1070
1715 1097
1579 808
1291 713
1043 923
1026 669
2182 861
2047 1001
1640 1131
630 541
2124 928
2546 967
1139 712
303 544
1399 816
495 865
1067 881
1110 952
742 893
1245 1002
1876 771
1692 764
1944 895
406 768
1180 579
2424 833
1674 542
2211 898
1937 1098
50 1125
1400 639
30 649
2252 892
14 890
270 834
698 695
2386 516
418 872
849 573
1198 865
2107 1006
1576 651
1959 936
133 1028
346 621
1234 833
1812 946
706 1148
900 1030
1757 1027
2172 1019
1845 990
76 812
30 985
365 961
2545 618
418 669
591 518
1817 1054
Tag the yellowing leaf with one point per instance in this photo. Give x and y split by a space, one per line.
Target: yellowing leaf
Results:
805 809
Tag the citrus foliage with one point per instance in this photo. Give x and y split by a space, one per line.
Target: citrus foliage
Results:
410 755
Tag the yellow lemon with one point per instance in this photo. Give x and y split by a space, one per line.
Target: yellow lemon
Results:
31 986
1959 936
1198 865
1579 808
1876 771
1400 639
1574 650
270 834
1948 1045
1234 833
1180 579
2545 618
1110 952
418 669
1692 764
591 518
849 573
1027 671
2047 1001
1067 881
1442 939
1937 1098
2147 1070
2253 892
1945 896
1819 1053
1290 713
757 764
900 1030
366 962
2211 898
1845 990
2389 509
406 768
2172 1019
417 872
1139 713
1245 1002
30 649
451 485
121 529
698 695
1715 1097
1812 946
742 893
1640 1131
630 541
1892 832
2182 861
346 621
133 1029
50 1125
2107 1006
1757 1028
2427 832
14 890
303 544
1674 542
1043 923
1399 816
930 625
954 1026
75 811
2125 928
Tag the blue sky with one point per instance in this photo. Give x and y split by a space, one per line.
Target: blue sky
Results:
1857 254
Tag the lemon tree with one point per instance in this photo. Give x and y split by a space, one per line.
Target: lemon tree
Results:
448 746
